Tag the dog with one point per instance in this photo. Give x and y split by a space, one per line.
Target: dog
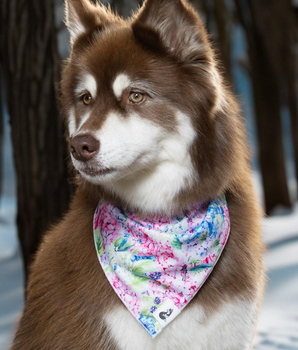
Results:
152 130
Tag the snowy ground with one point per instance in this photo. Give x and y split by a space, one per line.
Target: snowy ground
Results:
11 296
278 324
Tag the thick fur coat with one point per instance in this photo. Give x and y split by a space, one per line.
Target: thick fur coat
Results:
183 141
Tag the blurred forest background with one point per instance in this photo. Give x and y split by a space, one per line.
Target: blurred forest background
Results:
256 40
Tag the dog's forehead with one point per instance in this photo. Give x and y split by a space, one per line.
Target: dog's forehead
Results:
110 53
115 58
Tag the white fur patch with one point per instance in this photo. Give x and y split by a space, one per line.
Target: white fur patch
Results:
125 139
230 328
83 121
120 84
152 164
72 127
88 83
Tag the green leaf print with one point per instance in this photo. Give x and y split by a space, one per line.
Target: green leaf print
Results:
195 261
138 283
118 242
215 244
148 299
99 244
147 263
138 271
199 267
203 237
141 267
146 312
121 245
176 244
135 252
125 247
220 219
218 249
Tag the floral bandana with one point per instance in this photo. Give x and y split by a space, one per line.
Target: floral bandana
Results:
157 264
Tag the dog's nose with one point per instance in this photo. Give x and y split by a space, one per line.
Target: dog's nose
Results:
84 147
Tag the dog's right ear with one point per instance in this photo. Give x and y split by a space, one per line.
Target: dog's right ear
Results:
83 17
175 24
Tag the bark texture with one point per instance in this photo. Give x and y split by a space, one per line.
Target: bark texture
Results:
1 135
218 19
265 30
29 61
289 73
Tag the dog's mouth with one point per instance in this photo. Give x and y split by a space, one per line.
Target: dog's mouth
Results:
96 172
92 170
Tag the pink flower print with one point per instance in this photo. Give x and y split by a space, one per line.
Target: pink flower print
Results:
111 229
177 301
223 239
116 283
96 220
209 259
193 288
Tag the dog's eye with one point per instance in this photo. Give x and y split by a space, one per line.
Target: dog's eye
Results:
87 99
136 97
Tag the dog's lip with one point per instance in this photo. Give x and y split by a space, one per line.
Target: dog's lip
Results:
97 171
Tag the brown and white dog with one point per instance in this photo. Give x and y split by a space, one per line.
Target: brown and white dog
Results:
153 128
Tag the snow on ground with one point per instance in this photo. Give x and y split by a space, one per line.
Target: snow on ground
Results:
278 323
8 232
11 296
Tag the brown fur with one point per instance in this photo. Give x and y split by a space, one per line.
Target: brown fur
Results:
68 293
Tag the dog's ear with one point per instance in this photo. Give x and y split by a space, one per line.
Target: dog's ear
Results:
175 23
83 17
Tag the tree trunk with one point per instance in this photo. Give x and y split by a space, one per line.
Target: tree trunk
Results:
289 72
223 22
1 135
29 61
261 21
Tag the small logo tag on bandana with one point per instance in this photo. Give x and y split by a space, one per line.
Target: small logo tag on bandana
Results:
166 313
156 265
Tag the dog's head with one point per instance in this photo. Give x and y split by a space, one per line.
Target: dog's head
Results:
149 119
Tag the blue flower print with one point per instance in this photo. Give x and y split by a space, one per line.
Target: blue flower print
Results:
138 258
148 323
152 309
155 276
157 301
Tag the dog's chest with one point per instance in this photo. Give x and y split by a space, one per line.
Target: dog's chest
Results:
230 328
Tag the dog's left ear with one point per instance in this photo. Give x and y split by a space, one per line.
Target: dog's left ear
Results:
83 17
175 23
